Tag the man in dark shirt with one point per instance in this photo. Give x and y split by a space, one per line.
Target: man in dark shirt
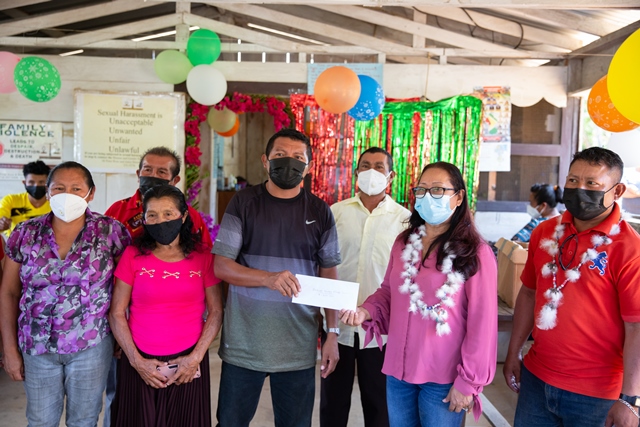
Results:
270 233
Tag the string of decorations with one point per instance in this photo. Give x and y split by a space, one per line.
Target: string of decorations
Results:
218 117
243 103
415 133
331 138
419 133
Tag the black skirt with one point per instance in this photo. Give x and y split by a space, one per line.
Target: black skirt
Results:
138 405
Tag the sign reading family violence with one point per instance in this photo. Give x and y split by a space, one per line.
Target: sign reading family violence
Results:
112 130
24 142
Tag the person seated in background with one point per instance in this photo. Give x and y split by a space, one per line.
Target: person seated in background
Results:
543 204
17 208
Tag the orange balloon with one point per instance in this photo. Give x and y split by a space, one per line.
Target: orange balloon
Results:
337 90
233 130
603 112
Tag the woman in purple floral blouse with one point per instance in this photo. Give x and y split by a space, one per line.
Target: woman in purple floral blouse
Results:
54 302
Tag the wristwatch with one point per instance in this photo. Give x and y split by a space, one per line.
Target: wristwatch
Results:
632 400
334 330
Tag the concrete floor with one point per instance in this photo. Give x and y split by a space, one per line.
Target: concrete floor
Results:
13 401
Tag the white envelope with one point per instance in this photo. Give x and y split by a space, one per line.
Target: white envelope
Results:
327 293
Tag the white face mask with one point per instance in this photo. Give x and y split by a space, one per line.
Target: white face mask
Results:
68 207
372 182
533 212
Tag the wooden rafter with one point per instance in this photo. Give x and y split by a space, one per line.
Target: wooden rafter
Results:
64 17
416 28
124 30
505 26
18 14
516 4
565 19
312 26
14 4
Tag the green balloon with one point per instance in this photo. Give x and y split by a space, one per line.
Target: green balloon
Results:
37 79
203 47
172 66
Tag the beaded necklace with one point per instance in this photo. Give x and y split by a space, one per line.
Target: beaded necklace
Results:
548 316
411 255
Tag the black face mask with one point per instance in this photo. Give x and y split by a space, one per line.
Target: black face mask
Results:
286 172
36 191
147 182
585 204
165 232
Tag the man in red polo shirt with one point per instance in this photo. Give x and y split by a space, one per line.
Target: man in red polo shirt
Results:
158 166
581 299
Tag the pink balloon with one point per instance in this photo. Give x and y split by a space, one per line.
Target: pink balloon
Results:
8 62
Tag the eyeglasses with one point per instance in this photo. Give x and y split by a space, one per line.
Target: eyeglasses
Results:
569 241
436 192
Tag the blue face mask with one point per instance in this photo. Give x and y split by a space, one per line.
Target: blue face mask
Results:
434 211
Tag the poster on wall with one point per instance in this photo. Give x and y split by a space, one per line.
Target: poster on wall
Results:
24 142
112 130
372 70
495 133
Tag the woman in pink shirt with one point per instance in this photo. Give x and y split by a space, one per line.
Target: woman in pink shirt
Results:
166 282
438 305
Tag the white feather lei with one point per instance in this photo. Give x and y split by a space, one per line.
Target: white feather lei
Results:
548 316
411 255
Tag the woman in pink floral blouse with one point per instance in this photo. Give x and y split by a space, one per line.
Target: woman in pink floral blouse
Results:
54 302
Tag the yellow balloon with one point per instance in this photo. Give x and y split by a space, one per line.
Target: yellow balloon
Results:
221 120
622 81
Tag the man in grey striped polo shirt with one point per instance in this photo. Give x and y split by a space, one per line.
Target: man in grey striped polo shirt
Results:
269 233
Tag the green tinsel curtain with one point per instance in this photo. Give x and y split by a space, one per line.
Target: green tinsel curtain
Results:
419 133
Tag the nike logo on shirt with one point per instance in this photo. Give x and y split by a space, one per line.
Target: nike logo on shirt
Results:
310 222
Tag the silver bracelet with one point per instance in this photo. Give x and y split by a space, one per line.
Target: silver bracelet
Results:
628 405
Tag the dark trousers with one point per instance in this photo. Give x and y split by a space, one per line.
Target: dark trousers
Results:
335 390
543 405
292 396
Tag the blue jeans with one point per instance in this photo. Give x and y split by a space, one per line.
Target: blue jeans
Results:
292 396
110 392
542 405
420 405
80 376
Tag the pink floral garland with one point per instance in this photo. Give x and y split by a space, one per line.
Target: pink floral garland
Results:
241 103
238 103
196 114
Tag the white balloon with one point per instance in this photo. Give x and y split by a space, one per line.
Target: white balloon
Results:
206 85
627 146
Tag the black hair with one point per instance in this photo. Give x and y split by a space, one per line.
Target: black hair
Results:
291 134
601 156
36 168
374 150
163 152
547 193
462 236
72 165
189 241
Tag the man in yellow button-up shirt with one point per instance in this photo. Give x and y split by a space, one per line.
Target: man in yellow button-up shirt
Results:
367 225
